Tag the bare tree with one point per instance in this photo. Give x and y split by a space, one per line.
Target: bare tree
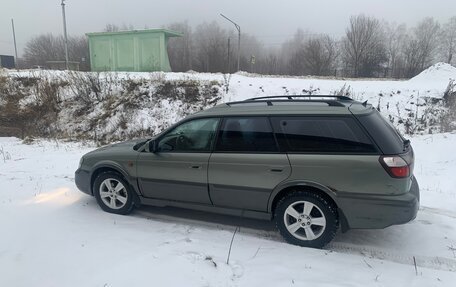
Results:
315 55
116 28
420 46
210 45
364 46
412 56
43 48
111 28
370 48
270 62
319 55
291 54
426 34
47 47
448 40
396 36
251 53
78 51
180 49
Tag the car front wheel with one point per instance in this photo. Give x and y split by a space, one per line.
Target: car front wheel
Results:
113 193
306 219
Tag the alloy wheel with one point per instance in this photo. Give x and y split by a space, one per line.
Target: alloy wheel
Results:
113 193
304 220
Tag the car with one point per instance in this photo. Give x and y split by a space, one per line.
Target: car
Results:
36 67
313 164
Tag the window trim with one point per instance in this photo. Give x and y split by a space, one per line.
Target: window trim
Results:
265 116
376 151
182 122
221 118
373 133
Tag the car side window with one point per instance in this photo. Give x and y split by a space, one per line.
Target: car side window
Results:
246 134
321 134
193 136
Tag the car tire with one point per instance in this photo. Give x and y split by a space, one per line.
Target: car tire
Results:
113 193
306 219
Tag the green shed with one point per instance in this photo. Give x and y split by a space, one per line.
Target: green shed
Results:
137 50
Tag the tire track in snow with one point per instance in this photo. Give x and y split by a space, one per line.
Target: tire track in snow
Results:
431 262
438 211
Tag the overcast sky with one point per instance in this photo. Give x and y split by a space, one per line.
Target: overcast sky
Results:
270 21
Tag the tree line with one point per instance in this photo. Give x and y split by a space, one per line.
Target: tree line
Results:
370 47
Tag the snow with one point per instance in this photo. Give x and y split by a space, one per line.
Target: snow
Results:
51 234
411 105
432 82
437 72
54 235
438 75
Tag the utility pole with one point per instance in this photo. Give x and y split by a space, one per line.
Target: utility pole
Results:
65 35
238 28
228 70
15 46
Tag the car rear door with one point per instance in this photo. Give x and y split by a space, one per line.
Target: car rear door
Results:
246 164
332 151
177 170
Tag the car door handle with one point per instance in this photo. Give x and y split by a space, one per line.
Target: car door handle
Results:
195 166
276 170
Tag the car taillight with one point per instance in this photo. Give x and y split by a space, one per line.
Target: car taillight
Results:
395 166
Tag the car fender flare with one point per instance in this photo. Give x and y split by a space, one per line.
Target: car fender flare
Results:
299 183
117 167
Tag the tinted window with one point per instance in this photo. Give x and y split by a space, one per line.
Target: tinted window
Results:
193 136
388 139
321 134
246 135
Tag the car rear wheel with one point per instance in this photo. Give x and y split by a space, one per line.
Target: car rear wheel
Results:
113 193
306 219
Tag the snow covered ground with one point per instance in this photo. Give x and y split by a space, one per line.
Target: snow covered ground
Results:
53 235
413 106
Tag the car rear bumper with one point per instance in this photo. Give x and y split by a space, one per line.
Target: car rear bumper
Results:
82 180
380 211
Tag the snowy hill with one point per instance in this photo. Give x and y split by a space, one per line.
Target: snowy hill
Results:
440 72
116 106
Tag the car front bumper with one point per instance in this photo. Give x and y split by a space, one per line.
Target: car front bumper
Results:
380 211
82 180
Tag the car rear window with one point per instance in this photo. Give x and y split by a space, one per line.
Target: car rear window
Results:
321 134
387 138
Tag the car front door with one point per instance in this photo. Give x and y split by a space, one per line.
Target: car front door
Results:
177 169
246 164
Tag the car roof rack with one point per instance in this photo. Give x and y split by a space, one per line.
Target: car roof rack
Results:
331 100
292 97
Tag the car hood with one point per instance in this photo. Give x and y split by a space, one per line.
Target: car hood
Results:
125 146
130 143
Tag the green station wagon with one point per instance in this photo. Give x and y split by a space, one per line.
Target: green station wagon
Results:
310 163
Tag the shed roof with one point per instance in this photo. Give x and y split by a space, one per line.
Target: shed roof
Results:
167 32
